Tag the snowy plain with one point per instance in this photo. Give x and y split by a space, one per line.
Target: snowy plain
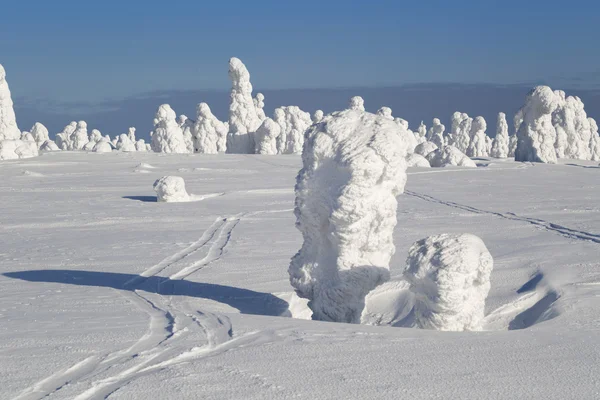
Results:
106 293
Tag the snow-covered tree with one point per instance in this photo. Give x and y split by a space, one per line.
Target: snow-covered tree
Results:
103 146
8 121
49 145
500 143
435 134
357 103
209 134
537 135
187 126
12 149
167 136
449 155
243 118
140 145
353 168
63 139
27 137
293 122
421 133
131 134
594 140
416 160
461 131
450 278
407 135
39 133
385 112
425 148
479 145
125 144
317 116
259 104
79 137
266 137
171 189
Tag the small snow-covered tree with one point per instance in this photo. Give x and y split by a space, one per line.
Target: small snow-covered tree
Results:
186 126
167 136
385 112
125 144
425 148
436 133
317 116
8 121
421 133
357 103
479 145
171 189
209 134
259 104
461 135
131 134
266 137
63 139
79 137
408 136
293 122
537 135
594 140
449 155
500 143
243 118
450 278
353 168
140 145
578 141
39 133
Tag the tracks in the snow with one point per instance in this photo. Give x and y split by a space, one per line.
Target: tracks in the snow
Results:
173 326
549 226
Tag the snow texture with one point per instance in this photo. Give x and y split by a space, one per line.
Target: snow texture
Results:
501 140
266 137
293 123
450 278
417 160
167 136
8 121
209 134
353 169
479 143
425 148
536 136
449 155
243 117
171 189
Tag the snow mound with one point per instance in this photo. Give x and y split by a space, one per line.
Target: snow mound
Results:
32 173
417 160
102 147
450 278
49 145
16 149
425 148
388 304
353 169
537 135
449 155
171 189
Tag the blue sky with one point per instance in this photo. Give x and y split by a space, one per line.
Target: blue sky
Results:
87 51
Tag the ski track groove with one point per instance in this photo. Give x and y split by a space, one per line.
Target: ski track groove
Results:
157 348
549 226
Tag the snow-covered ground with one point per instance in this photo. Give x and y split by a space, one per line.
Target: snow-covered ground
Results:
106 292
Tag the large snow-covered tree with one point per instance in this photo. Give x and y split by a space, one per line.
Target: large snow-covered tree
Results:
243 117
209 134
8 121
479 144
167 136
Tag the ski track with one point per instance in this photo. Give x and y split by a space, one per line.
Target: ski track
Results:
549 226
168 325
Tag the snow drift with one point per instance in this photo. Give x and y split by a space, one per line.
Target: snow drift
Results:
353 169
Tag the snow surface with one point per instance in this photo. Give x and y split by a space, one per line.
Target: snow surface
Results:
107 293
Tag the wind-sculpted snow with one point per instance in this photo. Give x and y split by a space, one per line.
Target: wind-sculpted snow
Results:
450 278
243 117
449 155
171 189
353 168
425 148
266 137
167 136
479 144
8 121
501 140
293 123
209 134
435 134
536 136
357 103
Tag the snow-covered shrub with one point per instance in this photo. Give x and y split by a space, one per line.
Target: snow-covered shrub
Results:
479 144
449 155
259 104
125 144
167 136
417 160
450 278
317 116
293 123
500 143
353 168
357 103
131 134
385 112
95 136
8 121
536 135
209 134
425 148
435 134
170 189
243 118
266 135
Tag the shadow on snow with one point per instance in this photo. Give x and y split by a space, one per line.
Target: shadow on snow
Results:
146 199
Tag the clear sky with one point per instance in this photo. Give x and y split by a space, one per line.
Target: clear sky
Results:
90 50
